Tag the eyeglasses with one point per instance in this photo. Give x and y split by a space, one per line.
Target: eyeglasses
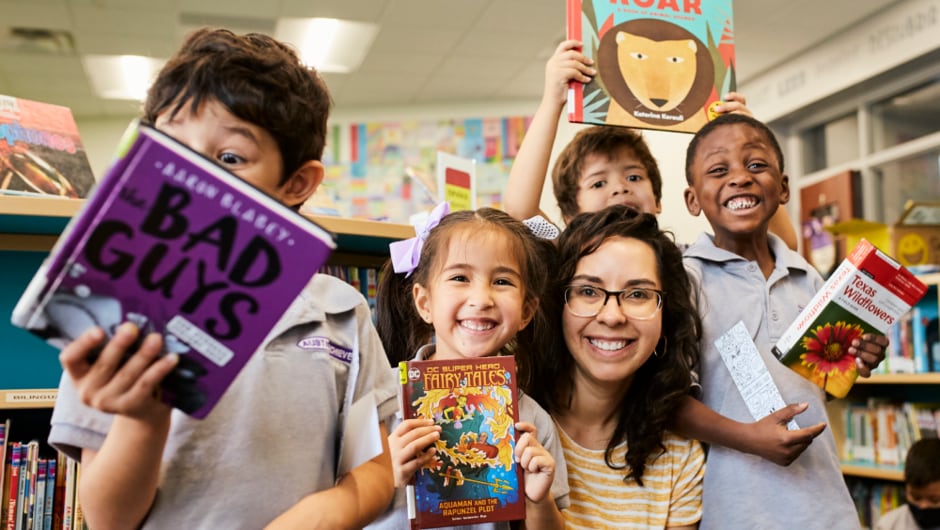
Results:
588 300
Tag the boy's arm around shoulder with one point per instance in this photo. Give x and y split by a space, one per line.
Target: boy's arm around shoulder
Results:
357 498
527 174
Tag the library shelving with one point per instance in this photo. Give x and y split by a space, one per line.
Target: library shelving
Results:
30 225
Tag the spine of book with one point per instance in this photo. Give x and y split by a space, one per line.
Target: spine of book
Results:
51 472
39 506
4 443
58 502
71 485
575 89
15 467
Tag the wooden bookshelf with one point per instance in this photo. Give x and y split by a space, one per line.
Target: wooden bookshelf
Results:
932 378
873 471
34 398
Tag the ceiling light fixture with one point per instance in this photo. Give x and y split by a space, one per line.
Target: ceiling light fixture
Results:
121 76
328 44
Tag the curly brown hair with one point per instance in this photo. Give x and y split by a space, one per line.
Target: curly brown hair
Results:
664 380
601 140
258 79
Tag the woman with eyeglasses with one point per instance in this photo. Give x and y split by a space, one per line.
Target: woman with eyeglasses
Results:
628 337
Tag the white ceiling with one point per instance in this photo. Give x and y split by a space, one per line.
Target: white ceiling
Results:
426 51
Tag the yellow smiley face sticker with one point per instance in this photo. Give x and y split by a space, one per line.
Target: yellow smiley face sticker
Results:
912 249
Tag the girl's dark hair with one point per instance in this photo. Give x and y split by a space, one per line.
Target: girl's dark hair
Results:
401 328
660 384
258 79
721 121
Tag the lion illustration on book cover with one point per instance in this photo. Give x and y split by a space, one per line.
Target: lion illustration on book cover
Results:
661 66
656 73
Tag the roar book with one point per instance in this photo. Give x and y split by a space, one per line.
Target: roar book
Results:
660 65
473 477
40 150
178 245
867 293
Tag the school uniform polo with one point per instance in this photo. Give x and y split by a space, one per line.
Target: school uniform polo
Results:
274 437
743 490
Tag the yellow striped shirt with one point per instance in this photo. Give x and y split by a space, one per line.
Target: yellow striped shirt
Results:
671 494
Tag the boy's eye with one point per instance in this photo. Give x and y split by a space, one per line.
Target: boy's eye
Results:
757 166
718 170
635 178
230 159
598 184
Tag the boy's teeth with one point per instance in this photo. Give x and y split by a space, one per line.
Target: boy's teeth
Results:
609 345
476 326
741 202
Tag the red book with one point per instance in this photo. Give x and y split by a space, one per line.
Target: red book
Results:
40 150
473 477
16 451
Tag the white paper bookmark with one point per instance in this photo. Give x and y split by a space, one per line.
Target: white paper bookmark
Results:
750 374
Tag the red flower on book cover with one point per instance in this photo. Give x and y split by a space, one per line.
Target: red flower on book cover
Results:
827 357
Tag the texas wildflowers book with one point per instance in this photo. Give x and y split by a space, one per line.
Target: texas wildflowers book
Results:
867 293
473 477
178 245
661 65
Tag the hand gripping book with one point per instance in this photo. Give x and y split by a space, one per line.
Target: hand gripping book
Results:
178 245
473 477
660 65
40 151
867 293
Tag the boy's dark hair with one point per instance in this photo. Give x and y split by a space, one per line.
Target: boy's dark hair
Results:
601 140
729 119
923 463
402 330
665 378
258 79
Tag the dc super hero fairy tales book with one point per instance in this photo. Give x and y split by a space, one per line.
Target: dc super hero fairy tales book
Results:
661 64
473 477
867 293
175 243
40 151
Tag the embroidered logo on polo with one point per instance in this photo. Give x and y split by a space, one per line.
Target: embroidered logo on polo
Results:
324 344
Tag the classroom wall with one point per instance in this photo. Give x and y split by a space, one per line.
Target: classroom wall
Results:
100 136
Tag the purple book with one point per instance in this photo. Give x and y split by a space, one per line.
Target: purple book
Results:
175 243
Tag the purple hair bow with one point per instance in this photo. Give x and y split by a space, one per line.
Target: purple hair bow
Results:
406 253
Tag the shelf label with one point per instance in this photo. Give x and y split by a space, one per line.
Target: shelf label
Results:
22 397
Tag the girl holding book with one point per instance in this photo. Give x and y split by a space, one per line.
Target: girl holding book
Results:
468 286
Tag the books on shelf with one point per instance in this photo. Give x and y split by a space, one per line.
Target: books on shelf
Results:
867 293
176 244
661 65
41 152
473 477
880 431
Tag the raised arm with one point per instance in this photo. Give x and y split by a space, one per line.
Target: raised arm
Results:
527 175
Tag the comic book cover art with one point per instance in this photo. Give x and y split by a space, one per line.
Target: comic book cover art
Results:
473 477
40 150
661 65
